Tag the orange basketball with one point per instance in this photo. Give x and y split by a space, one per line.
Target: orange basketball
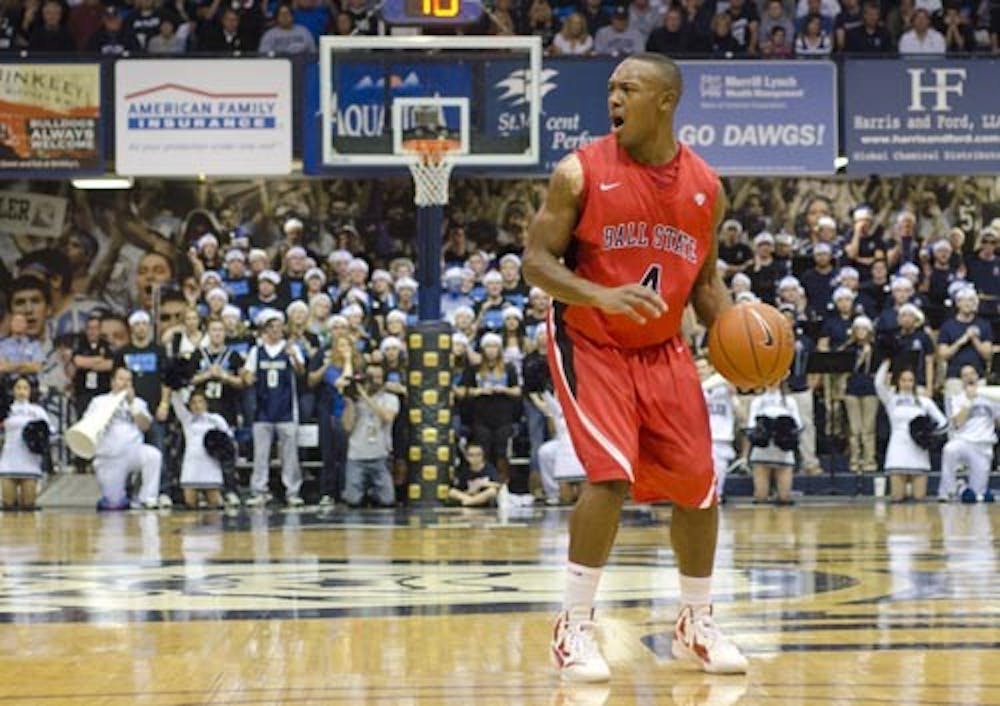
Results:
751 345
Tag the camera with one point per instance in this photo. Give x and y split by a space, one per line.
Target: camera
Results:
353 389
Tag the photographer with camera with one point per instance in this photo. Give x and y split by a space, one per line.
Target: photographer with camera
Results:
368 418
332 370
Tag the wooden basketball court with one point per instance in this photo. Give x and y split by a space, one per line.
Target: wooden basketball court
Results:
835 604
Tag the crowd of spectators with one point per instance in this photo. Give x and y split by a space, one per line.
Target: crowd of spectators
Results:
234 276
729 28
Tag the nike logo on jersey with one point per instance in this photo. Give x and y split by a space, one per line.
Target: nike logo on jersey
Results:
608 187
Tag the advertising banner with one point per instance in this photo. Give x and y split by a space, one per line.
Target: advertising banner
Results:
50 119
32 214
217 118
922 117
747 117
760 117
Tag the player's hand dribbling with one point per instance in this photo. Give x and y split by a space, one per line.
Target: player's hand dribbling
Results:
635 301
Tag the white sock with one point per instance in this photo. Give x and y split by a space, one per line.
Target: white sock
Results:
581 587
696 591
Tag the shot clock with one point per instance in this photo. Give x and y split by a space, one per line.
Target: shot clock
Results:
432 12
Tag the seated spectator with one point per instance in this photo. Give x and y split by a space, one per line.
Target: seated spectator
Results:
836 328
452 296
113 38
51 35
144 22
168 41
744 24
816 10
286 37
406 299
84 20
847 19
475 482
671 38
698 16
502 21
644 16
572 39
368 419
489 312
224 35
775 16
365 21
342 25
812 40
537 311
871 36
922 39
964 339
827 8
617 38
958 34
267 295
722 43
777 46
494 392
540 21
314 15
593 14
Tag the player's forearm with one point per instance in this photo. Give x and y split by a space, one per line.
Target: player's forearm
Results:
710 299
542 269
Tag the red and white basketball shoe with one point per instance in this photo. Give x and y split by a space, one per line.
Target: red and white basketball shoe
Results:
698 639
575 651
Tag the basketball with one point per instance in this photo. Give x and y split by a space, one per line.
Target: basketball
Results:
751 345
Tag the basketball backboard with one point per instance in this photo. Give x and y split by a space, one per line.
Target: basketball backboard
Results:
375 91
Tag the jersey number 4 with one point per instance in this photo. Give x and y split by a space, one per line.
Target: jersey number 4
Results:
652 278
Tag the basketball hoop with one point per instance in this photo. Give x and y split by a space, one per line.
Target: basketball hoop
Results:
431 168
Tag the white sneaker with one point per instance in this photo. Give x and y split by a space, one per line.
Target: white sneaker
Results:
165 501
258 500
232 499
294 501
150 504
698 639
326 501
575 651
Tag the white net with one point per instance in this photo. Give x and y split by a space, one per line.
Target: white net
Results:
430 181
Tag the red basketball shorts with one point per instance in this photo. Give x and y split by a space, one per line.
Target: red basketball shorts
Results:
636 415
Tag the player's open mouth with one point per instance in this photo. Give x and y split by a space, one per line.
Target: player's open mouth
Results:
616 122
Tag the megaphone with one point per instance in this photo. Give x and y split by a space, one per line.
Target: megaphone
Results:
82 438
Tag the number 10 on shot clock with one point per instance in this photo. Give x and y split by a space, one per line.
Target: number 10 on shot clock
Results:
432 12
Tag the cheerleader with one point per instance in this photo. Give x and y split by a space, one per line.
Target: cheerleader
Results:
769 460
199 471
904 459
722 410
20 469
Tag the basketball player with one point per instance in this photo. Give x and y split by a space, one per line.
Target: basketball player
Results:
974 419
623 242
121 450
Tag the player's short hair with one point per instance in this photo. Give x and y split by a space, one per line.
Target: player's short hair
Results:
474 444
667 67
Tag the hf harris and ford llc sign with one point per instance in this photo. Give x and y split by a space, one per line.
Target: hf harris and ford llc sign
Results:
920 117
223 117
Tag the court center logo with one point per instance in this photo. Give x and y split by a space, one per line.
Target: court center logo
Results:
182 591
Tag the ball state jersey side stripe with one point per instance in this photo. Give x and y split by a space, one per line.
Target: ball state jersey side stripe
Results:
559 339
655 226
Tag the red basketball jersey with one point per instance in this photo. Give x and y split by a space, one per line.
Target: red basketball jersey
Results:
640 224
